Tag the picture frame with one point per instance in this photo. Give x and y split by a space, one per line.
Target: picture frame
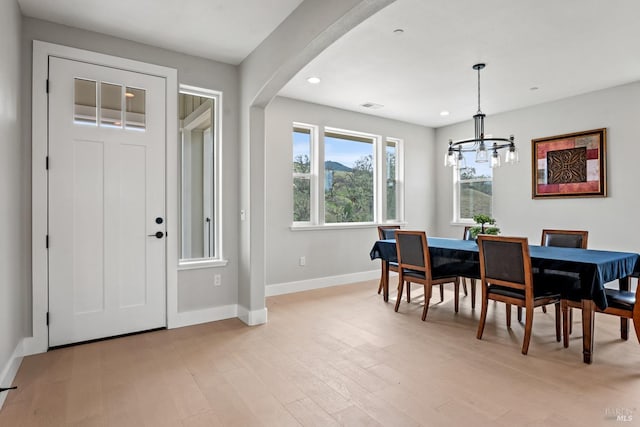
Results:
570 165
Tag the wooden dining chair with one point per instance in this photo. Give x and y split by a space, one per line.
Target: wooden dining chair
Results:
506 276
621 303
386 232
566 239
414 264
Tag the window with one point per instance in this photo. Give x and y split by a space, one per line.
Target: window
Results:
199 114
348 177
345 177
473 189
303 143
392 176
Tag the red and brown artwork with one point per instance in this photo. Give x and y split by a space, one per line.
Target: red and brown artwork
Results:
571 165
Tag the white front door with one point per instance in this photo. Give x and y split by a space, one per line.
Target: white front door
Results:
106 201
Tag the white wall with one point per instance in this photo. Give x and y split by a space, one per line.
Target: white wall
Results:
195 287
611 221
345 251
14 195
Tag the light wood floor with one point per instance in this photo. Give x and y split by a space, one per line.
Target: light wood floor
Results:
336 356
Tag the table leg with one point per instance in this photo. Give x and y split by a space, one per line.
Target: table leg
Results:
624 322
385 280
588 313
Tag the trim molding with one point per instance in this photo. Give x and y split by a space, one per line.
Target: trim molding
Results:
195 317
252 318
321 282
10 370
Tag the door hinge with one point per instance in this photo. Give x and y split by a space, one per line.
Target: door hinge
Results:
47 318
47 86
46 241
46 161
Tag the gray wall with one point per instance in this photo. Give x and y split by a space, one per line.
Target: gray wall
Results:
335 251
611 221
14 191
195 287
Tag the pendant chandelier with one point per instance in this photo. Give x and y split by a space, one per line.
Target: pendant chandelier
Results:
480 144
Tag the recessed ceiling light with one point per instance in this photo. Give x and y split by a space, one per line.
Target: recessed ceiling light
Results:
314 80
534 88
444 113
398 31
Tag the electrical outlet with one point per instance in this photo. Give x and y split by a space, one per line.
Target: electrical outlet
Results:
303 261
217 280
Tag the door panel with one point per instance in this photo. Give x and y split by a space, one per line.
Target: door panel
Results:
106 188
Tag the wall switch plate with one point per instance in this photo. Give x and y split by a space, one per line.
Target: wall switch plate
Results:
303 261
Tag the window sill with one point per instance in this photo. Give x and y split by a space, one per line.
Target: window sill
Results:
202 263
462 222
355 225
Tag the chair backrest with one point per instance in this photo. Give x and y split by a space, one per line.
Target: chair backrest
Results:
386 232
413 251
466 235
565 238
506 261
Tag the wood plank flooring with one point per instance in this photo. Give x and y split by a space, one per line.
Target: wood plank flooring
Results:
336 356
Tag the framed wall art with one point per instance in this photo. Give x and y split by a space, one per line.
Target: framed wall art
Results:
571 165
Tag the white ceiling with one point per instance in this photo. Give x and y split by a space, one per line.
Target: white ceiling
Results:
562 47
223 30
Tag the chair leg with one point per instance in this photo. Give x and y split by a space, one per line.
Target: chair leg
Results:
408 291
636 321
464 286
441 293
528 324
519 314
570 321
557 305
456 299
508 308
473 293
483 316
427 299
565 323
400 288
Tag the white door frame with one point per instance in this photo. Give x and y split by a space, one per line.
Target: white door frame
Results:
39 342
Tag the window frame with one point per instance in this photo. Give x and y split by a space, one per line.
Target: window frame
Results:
317 171
312 175
399 179
218 260
457 218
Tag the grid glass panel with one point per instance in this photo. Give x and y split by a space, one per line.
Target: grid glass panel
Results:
85 107
135 108
110 105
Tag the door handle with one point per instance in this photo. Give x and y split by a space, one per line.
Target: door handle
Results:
158 234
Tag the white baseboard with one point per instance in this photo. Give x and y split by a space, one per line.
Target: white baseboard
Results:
252 318
10 370
188 318
322 282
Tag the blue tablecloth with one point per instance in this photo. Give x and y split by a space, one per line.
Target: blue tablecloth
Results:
595 268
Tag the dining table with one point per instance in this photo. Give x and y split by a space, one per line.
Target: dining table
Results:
594 268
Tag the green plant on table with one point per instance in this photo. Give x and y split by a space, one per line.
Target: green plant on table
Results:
482 228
